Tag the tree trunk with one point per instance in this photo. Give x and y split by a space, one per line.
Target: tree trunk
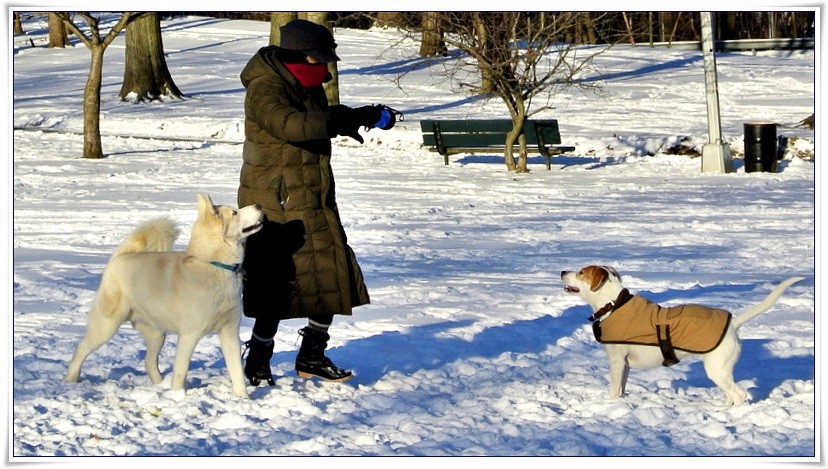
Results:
523 158
18 24
509 157
675 26
146 76
583 29
728 26
92 147
591 35
774 31
516 136
486 85
391 19
277 20
57 32
432 44
332 86
500 75
628 26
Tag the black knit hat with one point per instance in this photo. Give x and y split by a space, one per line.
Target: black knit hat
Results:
313 39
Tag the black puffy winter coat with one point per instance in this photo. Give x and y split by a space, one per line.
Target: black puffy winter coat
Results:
300 264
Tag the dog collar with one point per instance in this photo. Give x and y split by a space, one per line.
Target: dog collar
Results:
623 297
235 268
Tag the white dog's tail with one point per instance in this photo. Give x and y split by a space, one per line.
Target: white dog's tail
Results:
156 235
765 304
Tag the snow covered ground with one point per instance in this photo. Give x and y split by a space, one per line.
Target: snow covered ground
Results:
470 346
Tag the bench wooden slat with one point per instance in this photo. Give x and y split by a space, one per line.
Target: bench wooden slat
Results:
468 125
552 149
467 140
476 135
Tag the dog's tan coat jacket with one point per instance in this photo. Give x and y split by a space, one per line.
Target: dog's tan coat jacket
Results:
692 328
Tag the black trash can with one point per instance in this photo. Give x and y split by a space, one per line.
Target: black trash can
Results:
760 147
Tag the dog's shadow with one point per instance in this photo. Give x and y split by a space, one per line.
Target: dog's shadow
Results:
756 364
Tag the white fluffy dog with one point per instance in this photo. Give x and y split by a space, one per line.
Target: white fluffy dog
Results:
190 293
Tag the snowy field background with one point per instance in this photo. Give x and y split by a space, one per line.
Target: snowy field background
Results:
470 346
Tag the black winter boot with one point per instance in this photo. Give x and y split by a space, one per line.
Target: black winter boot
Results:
311 361
257 363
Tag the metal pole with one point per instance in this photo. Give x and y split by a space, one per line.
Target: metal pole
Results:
716 154
711 81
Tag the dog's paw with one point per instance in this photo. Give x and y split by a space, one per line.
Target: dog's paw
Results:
177 395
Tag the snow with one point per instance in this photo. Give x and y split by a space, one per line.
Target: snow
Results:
470 346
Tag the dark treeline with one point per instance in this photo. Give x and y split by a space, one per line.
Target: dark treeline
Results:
631 27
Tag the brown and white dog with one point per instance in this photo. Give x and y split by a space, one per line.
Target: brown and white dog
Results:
601 288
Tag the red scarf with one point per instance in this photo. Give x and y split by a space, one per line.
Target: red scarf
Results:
309 75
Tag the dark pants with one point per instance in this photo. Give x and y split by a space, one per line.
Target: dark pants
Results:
269 275
266 327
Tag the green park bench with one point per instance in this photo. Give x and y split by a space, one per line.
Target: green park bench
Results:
451 137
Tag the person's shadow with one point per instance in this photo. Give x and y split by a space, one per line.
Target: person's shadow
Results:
430 347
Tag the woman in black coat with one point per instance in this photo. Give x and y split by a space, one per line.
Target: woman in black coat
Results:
300 264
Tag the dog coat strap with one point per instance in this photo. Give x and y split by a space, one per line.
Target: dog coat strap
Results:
601 312
666 345
623 297
596 330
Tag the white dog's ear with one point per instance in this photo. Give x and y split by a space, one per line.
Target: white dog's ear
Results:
205 204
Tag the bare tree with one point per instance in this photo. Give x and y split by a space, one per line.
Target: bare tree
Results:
517 57
58 36
97 45
146 76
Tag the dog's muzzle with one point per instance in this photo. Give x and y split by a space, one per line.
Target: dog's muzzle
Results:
253 228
